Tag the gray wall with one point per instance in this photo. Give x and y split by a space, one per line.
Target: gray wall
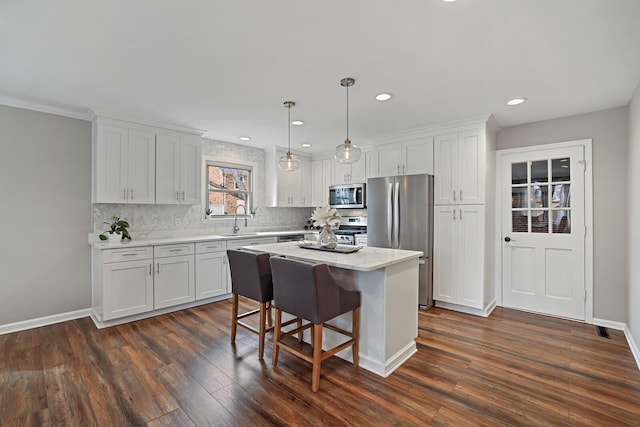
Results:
609 131
45 188
634 212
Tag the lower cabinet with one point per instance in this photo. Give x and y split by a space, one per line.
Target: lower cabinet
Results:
458 254
211 269
174 276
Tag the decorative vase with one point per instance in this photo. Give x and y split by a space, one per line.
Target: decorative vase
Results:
327 238
114 237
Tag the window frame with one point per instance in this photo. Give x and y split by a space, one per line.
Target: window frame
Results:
234 164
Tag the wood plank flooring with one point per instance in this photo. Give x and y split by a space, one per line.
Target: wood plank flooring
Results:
179 369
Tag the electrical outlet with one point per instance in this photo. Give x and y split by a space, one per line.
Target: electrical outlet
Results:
176 221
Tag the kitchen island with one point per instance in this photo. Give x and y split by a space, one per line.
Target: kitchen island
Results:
388 282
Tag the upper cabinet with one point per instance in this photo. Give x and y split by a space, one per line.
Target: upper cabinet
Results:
135 163
178 168
410 157
123 164
460 168
345 173
321 178
287 189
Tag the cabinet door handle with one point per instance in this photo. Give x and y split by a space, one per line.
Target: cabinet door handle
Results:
130 254
177 199
124 194
183 196
454 195
398 169
150 271
158 269
175 250
460 214
131 192
454 214
460 195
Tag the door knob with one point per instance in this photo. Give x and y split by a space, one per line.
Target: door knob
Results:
507 239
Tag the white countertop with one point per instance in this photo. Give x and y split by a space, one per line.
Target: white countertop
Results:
366 259
188 238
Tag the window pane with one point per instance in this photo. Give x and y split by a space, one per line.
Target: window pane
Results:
561 221
561 170
519 173
519 197
540 222
539 196
539 171
561 197
229 187
520 221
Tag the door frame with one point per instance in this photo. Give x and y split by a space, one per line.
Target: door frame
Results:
586 144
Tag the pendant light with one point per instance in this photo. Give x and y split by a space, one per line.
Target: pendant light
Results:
347 152
287 162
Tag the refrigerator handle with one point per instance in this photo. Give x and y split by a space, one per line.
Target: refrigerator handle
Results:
396 216
390 214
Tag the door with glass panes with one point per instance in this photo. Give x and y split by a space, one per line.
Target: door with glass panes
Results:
543 231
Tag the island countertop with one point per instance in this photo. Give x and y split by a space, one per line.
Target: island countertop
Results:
366 259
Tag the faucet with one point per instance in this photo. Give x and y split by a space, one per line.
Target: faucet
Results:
235 219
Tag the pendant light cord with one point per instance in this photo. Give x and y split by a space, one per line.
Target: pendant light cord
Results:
347 112
289 127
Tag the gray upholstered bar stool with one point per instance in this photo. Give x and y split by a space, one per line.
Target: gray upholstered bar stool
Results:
309 291
251 278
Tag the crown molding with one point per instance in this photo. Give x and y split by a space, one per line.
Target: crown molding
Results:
102 114
438 128
50 108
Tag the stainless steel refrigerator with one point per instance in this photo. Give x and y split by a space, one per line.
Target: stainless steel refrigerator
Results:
400 216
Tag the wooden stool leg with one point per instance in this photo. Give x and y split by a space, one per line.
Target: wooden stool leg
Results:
301 333
269 316
356 336
317 357
276 337
234 317
263 328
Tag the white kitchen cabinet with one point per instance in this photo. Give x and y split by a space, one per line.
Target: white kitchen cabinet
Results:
409 157
123 282
123 163
321 172
460 168
345 173
458 255
178 168
211 269
174 275
287 189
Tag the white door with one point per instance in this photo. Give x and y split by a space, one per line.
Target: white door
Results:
543 231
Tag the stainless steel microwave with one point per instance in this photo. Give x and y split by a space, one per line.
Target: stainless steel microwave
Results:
347 196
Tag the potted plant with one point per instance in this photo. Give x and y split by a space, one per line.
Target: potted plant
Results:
208 213
117 230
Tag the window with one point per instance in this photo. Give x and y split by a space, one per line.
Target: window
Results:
229 186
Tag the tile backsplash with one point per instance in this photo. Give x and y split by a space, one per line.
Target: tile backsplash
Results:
171 218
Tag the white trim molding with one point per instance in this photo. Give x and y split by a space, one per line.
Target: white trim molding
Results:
50 108
620 326
43 321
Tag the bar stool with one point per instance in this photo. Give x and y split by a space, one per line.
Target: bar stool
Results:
309 291
251 278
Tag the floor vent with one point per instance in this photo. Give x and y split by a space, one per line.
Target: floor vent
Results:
602 331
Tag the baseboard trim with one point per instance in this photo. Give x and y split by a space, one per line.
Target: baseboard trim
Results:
43 321
483 312
620 326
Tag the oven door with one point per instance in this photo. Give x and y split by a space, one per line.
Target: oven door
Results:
347 196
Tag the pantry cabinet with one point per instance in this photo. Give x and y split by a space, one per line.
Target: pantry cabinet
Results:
460 168
458 266
123 164
414 156
178 168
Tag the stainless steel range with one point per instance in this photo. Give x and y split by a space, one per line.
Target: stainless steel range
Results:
349 227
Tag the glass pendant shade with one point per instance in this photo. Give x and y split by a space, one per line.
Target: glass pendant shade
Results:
288 163
347 153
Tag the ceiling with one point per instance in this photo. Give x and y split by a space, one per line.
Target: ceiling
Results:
227 66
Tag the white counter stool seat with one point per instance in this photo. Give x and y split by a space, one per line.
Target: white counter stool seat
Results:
309 291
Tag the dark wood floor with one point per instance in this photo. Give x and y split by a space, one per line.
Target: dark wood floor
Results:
179 369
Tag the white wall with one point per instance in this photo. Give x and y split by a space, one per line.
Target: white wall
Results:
634 214
609 131
45 188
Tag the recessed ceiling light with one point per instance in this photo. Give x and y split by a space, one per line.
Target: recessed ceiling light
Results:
245 138
449 1
516 101
297 122
383 96
306 145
